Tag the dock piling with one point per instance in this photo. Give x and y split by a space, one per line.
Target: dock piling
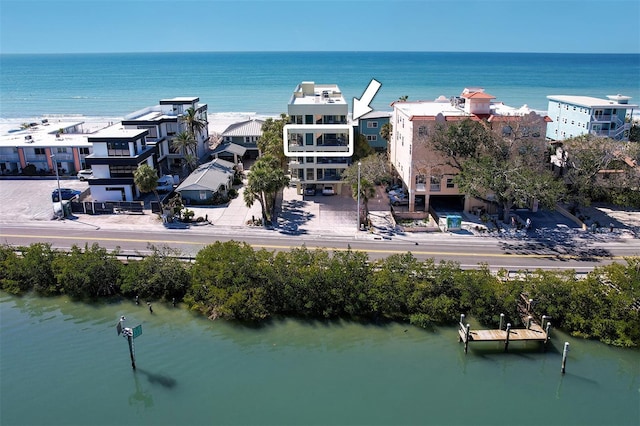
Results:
506 342
564 356
501 321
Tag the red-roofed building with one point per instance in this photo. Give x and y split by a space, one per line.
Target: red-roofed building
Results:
429 181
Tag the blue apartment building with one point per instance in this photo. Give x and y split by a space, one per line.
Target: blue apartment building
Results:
580 115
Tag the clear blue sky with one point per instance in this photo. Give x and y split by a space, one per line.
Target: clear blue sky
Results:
74 26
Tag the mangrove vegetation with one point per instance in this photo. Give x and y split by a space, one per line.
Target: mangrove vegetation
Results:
231 280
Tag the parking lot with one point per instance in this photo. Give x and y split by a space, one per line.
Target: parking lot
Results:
30 199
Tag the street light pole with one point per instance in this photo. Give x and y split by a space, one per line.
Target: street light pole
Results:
55 166
359 164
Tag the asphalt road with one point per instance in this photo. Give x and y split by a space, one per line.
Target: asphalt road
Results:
509 254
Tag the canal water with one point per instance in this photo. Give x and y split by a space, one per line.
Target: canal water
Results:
62 363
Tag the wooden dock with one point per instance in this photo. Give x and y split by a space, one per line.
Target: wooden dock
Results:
533 331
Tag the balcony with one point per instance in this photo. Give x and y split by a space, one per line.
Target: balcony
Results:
9 158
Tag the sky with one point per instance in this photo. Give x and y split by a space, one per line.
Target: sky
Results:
98 26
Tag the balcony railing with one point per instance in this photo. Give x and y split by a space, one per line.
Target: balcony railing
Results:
9 158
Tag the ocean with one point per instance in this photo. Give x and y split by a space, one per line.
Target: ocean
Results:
113 85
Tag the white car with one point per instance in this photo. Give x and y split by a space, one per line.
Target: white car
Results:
328 190
165 184
85 174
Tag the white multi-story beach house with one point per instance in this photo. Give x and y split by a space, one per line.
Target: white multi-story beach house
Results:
117 153
425 174
319 139
580 115
163 122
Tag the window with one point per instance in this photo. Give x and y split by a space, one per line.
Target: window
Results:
506 130
39 151
421 179
121 171
118 149
372 138
310 174
450 183
84 151
61 150
309 159
153 131
435 183
372 124
422 131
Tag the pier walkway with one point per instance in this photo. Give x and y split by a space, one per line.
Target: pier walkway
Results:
534 331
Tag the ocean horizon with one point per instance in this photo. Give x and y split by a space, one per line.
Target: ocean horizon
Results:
116 84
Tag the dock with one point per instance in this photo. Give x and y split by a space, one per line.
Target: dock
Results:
534 331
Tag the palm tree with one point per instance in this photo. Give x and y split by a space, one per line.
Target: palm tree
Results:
146 179
186 144
195 125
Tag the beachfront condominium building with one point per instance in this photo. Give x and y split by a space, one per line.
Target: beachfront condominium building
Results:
318 138
41 147
580 115
425 173
165 122
117 154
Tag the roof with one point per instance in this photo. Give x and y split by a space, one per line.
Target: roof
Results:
310 93
231 148
477 95
376 114
251 127
208 177
591 102
46 134
429 110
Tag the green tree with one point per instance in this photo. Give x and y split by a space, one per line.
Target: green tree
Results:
265 179
186 144
226 282
88 273
361 148
386 131
271 142
585 160
160 275
509 169
146 180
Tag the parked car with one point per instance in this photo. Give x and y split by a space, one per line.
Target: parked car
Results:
66 193
165 184
328 190
399 200
85 174
393 187
310 190
400 192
